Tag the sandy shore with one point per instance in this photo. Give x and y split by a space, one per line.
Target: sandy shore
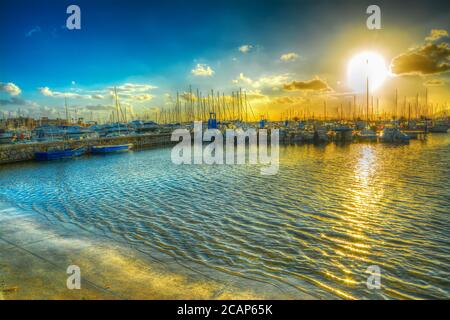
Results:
35 254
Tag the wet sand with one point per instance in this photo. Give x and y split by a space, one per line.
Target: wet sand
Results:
35 254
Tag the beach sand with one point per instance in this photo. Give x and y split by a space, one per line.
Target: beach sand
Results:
35 254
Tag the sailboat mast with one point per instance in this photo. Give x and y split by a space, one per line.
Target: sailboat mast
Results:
367 94
67 112
396 103
117 108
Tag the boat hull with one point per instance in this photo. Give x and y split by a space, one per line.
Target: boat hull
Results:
110 149
60 154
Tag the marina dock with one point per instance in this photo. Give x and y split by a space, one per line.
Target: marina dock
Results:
10 153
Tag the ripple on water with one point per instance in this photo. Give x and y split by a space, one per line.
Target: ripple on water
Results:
317 225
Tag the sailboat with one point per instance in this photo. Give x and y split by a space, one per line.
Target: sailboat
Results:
104 149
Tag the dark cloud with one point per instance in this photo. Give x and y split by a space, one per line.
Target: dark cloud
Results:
429 59
14 101
314 85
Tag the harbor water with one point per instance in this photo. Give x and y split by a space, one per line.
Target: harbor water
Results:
330 213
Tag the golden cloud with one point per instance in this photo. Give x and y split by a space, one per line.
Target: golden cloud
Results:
271 81
187 96
312 85
436 34
429 59
143 97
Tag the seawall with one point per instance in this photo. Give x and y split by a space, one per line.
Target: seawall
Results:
10 153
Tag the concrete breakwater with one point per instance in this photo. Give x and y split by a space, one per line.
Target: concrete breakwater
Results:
25 151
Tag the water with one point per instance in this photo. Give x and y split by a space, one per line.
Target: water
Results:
316 226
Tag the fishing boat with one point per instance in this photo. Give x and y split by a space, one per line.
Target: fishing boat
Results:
111 148
59 154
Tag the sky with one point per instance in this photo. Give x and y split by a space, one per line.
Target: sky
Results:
286 55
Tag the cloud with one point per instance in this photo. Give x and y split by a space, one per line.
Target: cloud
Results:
46 91
295 100
246 48
132 91
242 79
436 34
428 59
32 31
137 92
313 85
15 101
187 96
56 94
134 87
256 97
434 83
99 107
10 88
291 56
271 81
202 70
143 97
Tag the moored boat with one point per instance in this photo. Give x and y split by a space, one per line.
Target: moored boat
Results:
440 128
111 148
366 135
391 134
59 154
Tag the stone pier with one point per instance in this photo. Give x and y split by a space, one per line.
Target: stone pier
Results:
25 151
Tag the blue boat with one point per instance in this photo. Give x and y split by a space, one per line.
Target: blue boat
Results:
110 148
59 154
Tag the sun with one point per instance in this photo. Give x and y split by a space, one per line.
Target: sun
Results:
365 65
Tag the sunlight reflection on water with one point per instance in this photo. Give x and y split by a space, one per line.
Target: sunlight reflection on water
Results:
331 212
